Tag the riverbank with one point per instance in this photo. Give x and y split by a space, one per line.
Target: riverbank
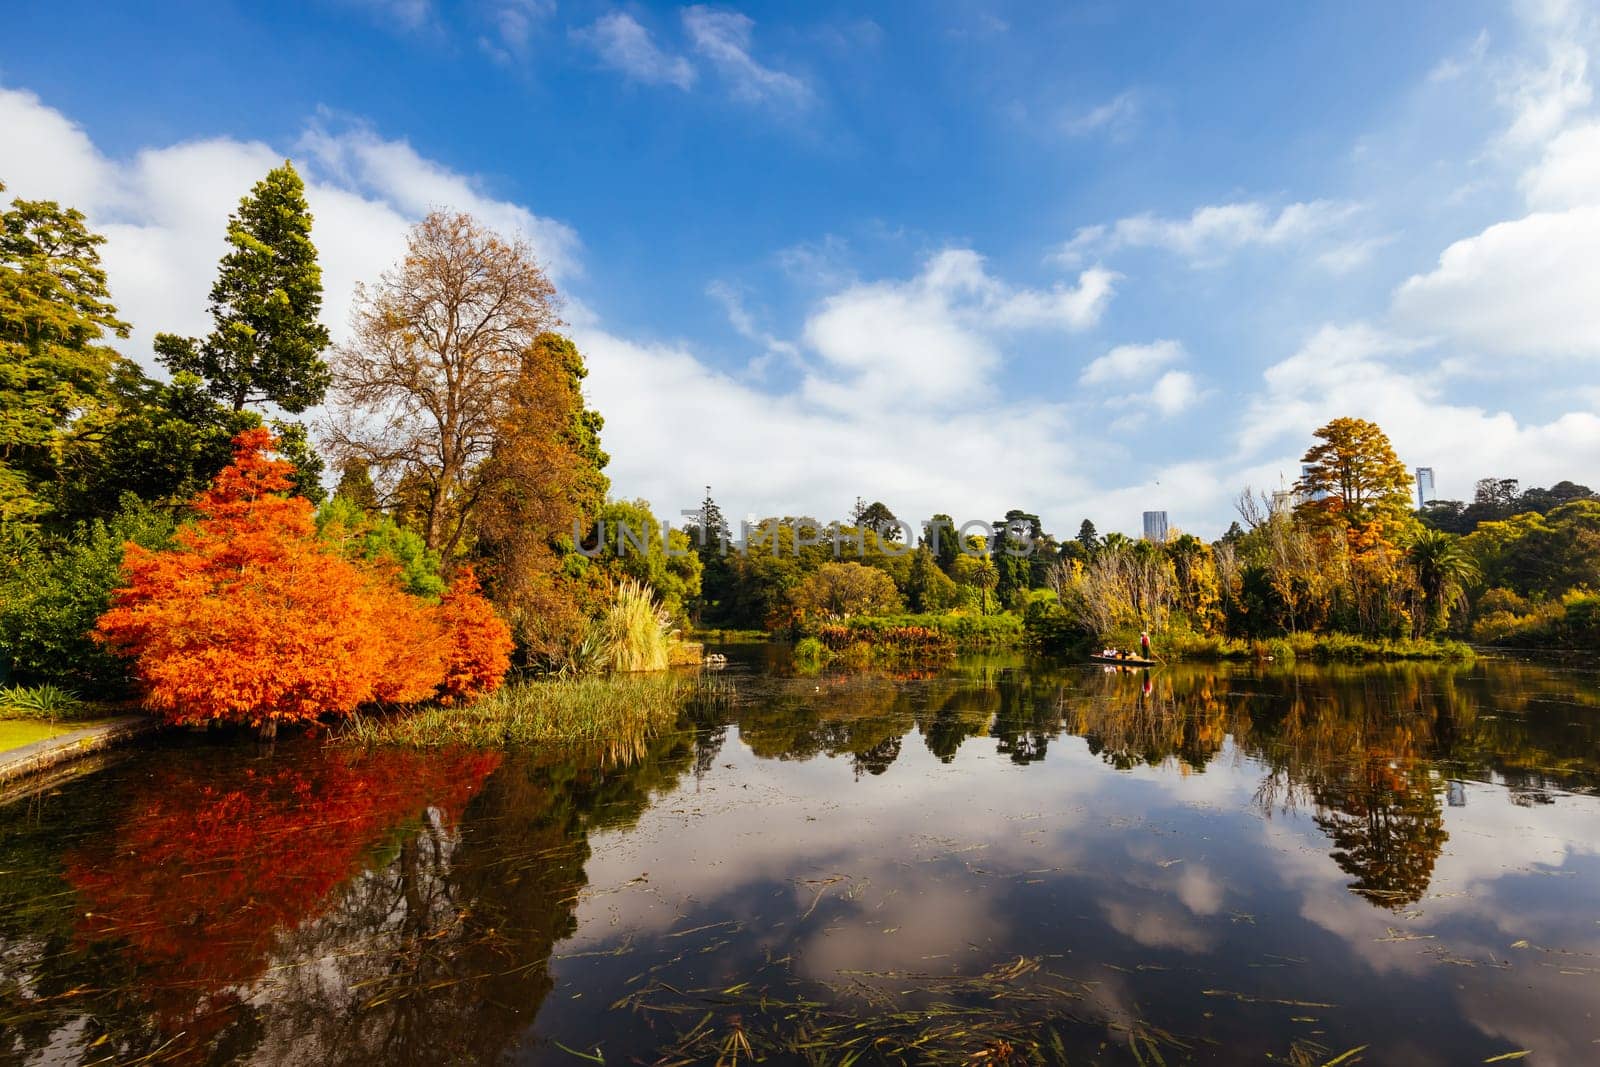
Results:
1316 648
62 743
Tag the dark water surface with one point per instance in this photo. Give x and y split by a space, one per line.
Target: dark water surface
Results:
1215 864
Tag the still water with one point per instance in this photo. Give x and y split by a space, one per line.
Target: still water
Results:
1003 859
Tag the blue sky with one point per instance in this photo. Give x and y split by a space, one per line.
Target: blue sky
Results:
1078 258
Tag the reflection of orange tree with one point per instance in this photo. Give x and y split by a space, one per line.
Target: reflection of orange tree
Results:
1384 819
442 954
1357 745
200 881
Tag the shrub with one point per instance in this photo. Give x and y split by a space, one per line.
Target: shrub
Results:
250 618
840 590
964 630
51 595
810 653
478 641
623 712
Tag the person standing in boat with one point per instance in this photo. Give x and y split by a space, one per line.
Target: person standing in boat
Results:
1144 643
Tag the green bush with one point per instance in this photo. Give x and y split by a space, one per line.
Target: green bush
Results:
810 653
1572 621
53 591
358 535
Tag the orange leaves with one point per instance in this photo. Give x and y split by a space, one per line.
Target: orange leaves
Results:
251 619
479 642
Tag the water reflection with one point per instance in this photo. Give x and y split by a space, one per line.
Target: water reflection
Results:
1210 863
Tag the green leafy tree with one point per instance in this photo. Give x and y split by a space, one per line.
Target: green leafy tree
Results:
1088 537
878 516
928 588
266 343
709 535
355 485
948 547
163 442
55 309
633 548
840 590
359 534
590 484
978 576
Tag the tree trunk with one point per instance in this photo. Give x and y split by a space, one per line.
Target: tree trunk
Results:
268 730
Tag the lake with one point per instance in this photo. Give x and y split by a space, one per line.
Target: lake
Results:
1002 861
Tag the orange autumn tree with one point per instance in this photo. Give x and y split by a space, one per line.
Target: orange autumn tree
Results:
251 619
479 642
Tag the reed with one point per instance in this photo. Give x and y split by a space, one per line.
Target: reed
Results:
634 631
624 710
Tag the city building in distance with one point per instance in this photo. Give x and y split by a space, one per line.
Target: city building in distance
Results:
1155 526
1425 491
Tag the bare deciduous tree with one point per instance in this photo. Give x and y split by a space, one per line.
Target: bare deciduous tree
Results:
438 346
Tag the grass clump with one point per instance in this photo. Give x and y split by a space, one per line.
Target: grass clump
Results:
634 631
622 710
42 703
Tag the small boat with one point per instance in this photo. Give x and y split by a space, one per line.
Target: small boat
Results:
1123 661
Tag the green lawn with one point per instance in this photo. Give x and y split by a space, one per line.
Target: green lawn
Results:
14 733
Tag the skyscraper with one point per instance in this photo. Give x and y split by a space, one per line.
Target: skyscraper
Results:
1318 494
1425 492
1155 526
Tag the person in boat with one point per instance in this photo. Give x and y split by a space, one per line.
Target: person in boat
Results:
1144 643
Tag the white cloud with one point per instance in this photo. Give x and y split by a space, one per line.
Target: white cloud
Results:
1543 93
1174 392
930 338
164 210
624 45
1115 116
744 324
1529 287
1127 362
1213 232
1360 370
1351 255
514 23
1568 174
723 38
409 15
786 453
1453 67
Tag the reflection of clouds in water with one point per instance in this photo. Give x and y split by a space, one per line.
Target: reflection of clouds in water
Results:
1481 902
1490 837
814 819
930 861
1158 925
931 927
1200 890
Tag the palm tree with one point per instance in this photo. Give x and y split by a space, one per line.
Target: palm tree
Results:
1444 570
